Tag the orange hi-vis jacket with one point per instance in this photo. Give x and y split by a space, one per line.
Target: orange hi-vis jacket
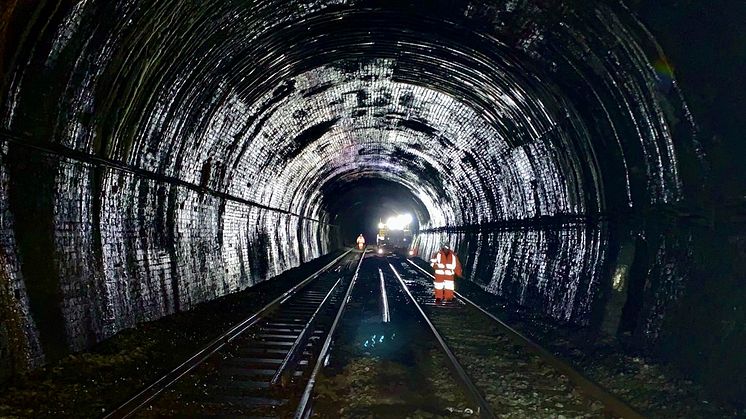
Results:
444 264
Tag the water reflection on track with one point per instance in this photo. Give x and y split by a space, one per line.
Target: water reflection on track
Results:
385 362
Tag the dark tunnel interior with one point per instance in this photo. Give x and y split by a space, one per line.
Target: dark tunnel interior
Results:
585 159
357 207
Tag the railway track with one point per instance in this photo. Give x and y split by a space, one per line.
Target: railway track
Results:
505 373
265 365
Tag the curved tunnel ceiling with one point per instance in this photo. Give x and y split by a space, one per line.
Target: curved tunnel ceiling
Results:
473 107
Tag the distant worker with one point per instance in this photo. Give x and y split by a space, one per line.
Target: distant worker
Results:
360 241
446 265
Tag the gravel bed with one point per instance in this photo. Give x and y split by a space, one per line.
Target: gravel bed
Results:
376 388
516 383
655 389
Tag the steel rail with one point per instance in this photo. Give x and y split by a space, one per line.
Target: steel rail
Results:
303 410
386 315
484 409
136 402
297 347
615 405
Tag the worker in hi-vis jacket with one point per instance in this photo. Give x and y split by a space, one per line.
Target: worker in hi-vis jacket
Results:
446 265
360 241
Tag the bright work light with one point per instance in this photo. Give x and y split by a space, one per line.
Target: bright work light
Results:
399 222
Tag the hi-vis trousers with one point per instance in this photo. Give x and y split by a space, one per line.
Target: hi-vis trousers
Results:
444 287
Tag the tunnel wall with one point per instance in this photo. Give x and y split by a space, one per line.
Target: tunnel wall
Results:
565 271
701 333
139 250
556 270
108 237
19 338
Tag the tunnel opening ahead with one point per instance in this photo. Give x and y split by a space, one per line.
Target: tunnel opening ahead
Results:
358 207
180 162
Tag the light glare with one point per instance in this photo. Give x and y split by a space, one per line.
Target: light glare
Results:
399 222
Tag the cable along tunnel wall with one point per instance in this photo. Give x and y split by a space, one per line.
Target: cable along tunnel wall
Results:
235 119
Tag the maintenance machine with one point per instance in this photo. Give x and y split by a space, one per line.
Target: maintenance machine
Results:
395 236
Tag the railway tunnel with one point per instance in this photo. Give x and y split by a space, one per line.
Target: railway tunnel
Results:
582 158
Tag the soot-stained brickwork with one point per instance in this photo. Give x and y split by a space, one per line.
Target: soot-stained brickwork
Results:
151 249
19 338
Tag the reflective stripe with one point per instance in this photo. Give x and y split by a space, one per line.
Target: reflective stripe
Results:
438 285
441 266
449 285
443 272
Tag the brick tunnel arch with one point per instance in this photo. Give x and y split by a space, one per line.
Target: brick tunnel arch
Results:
181 151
